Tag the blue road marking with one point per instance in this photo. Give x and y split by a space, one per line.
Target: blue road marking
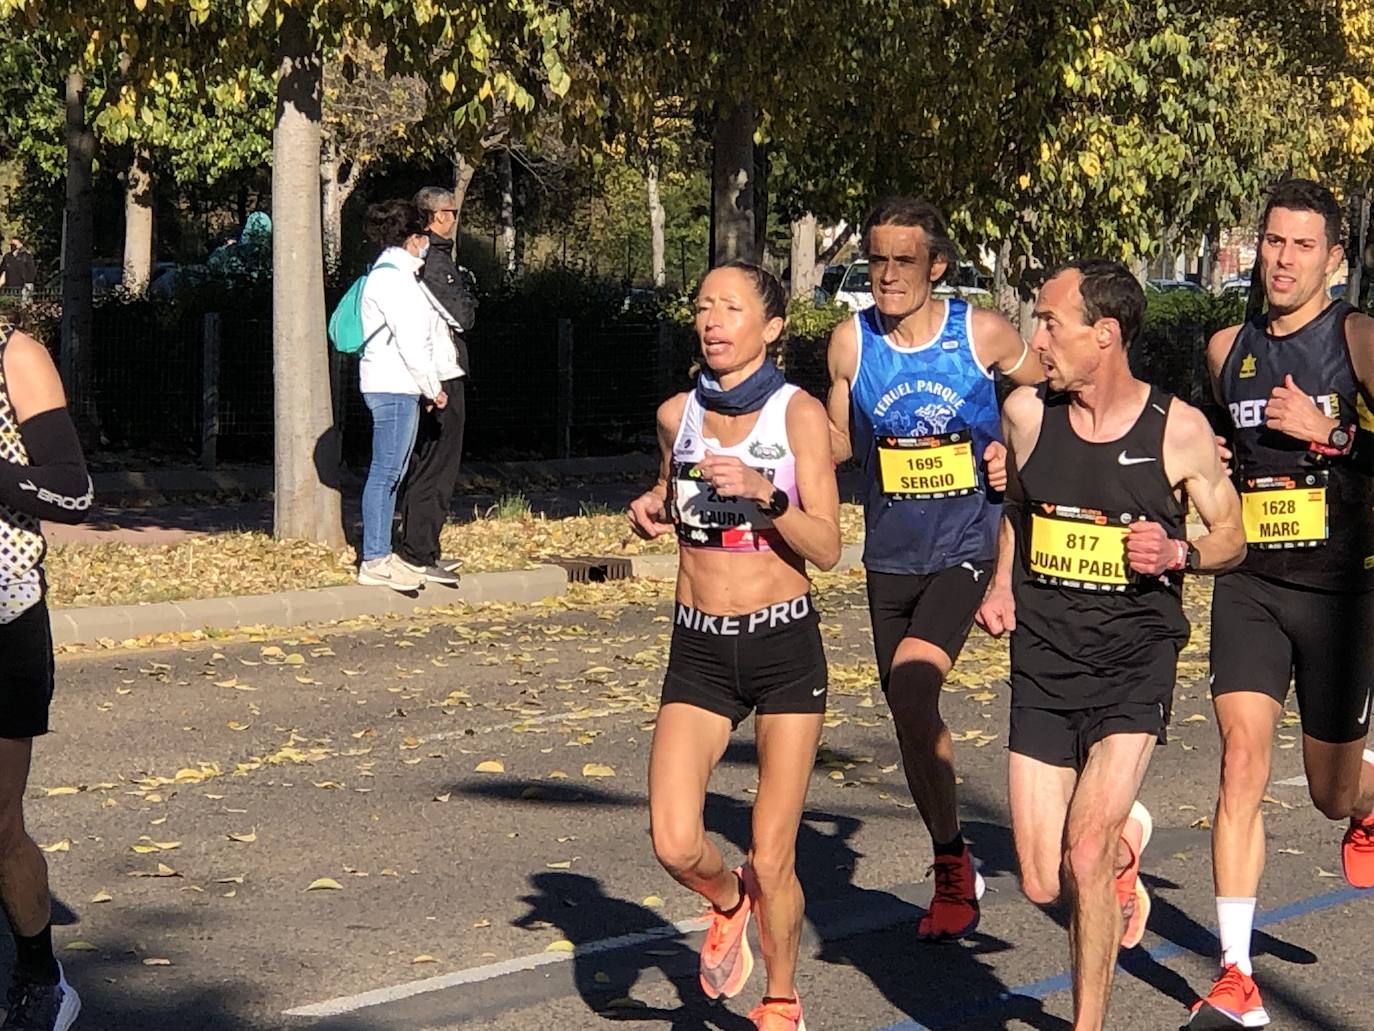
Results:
1048 986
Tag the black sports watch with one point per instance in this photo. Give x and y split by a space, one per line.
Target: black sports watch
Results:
1193 562
777 504
1341 438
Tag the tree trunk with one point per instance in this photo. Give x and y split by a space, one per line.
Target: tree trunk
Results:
806 272
732 187
331 208
77 361
138 222
762 255
507 184
306 503
657 219
1360 224
463 171
334 192
1003 293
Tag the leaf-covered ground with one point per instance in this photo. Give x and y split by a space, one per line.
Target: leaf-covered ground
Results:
224 564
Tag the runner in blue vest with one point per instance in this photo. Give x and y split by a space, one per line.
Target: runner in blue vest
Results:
912 399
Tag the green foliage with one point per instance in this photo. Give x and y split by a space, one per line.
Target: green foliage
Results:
1166 310
811 321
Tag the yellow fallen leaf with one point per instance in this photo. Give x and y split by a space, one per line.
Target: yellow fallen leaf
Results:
484 922
490 766
271 652
230 880
324 884
55 792
1196 717
157 961
1326 873
57 846
80 946
598 770
295 659
247 839
562 865
652 901
236 725
562 945
101 896
424 957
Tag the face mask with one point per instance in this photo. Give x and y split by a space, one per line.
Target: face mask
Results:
423 250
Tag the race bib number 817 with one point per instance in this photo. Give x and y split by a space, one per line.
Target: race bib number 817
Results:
1082 548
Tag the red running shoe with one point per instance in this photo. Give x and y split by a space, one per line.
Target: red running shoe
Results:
954 910
1233 1002
1357 848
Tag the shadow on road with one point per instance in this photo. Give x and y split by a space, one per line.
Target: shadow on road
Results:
605 975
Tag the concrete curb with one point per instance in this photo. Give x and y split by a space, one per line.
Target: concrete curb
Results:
292 608
326 604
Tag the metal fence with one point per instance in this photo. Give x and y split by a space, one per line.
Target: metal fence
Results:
200 387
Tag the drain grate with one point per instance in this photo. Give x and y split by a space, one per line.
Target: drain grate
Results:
594 569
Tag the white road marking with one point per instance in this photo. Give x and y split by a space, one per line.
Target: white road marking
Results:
474 975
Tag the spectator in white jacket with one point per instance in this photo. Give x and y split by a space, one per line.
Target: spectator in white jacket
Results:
398 373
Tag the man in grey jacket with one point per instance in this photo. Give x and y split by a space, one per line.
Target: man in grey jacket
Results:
433 473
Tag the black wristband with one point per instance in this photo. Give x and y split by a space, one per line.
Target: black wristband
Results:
777 504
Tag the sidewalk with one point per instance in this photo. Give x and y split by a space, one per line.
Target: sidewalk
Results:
169 506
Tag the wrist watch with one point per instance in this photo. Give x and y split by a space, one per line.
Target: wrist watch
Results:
1193 561
1341 438
777 504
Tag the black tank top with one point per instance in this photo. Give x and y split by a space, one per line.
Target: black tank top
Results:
1318 358
1083 620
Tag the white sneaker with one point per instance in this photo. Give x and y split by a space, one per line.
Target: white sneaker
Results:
389 571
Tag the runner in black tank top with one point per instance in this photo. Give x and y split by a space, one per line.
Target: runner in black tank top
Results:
1088 580
1294 382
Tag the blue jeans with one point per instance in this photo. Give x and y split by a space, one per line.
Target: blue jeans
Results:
395 419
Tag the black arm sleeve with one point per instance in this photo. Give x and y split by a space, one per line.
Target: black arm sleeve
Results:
449 287
55 486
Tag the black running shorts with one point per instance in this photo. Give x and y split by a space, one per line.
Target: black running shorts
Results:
1266 635
1063 737
769 661
26 674
934 607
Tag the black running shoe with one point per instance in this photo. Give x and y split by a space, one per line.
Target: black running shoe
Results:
41 1007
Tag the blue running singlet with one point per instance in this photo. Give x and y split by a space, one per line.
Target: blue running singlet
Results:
920 420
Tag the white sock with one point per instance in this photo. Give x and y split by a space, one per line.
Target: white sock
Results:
1235 921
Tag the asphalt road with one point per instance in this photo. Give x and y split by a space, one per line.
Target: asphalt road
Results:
191 797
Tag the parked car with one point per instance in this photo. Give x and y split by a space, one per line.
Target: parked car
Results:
1165 286
1236 285
830 282
854 289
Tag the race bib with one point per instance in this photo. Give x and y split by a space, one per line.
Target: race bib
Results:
708 519
1078 547
1285 511
940 466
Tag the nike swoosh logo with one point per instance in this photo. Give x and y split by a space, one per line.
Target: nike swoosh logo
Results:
1123 459
818 692
1364 718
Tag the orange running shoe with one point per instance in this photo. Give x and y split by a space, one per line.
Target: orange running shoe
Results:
778 1015
1357 848
1234 1001
726 959
954 910
1130 892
